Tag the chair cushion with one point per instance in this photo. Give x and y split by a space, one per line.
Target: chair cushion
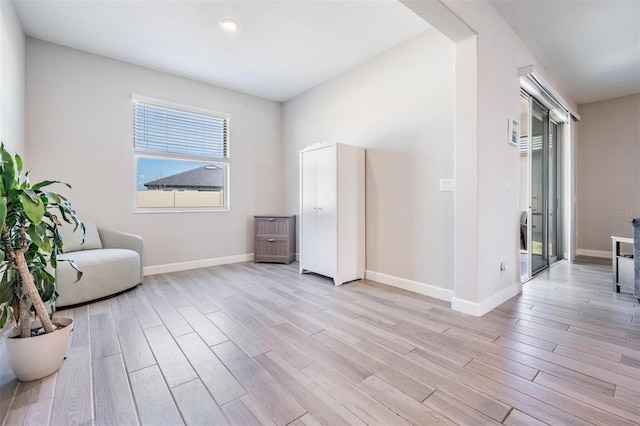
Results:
105 272
72 240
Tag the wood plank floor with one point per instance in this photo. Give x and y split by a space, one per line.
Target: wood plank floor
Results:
250 344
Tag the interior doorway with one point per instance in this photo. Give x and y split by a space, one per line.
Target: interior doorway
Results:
541 139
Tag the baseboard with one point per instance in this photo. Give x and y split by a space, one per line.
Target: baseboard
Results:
594 253
414 286
195 264
478 309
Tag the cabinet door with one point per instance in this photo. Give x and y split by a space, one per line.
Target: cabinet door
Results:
327 221
309 208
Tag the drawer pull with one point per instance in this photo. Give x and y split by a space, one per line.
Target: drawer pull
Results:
271 219
271 240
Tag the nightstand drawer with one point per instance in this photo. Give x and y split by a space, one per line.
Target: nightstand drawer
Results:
271 247
272 226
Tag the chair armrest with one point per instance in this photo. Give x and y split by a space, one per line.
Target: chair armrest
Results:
122 240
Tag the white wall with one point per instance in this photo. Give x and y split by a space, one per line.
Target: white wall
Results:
12 80
399 106
79 130
608 173
12 84
482 191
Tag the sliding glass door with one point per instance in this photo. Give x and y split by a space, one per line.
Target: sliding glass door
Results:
555 225
524 198
540 188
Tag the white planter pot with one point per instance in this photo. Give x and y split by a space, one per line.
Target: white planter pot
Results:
37 357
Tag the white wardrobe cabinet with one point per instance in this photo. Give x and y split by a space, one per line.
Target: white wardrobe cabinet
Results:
332 211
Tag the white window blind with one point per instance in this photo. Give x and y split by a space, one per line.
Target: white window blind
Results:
167 131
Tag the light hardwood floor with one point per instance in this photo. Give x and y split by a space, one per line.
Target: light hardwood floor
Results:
249 344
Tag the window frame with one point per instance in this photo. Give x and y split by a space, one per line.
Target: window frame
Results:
138 153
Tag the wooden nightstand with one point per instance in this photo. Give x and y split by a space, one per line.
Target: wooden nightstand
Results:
274 238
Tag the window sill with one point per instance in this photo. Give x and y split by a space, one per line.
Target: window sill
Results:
161 210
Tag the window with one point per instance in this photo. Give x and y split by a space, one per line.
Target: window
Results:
182 156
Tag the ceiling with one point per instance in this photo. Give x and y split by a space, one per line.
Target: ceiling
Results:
591 47
282 48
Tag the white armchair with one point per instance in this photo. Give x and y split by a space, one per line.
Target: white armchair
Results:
110 261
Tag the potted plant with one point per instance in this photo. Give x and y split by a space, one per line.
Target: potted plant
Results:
29 244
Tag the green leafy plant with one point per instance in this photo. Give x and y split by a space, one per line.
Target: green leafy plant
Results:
30 243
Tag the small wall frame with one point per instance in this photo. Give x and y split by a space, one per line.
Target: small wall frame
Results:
513 132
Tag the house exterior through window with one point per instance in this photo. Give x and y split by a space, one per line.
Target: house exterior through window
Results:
181 155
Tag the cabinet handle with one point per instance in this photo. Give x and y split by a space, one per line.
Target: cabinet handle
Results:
271 219
271 240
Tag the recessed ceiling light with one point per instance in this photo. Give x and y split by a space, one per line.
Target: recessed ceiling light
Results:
229 24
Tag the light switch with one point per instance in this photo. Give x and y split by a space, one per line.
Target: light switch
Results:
447 184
